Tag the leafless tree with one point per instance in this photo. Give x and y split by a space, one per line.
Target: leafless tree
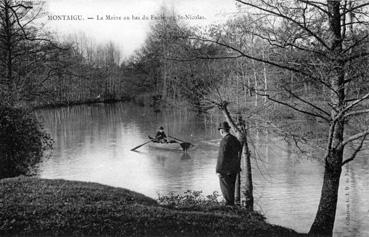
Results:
25 52
328 45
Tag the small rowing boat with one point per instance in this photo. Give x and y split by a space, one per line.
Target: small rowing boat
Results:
171 145
166 146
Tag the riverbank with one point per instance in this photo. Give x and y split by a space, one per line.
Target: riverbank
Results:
84 102
32 206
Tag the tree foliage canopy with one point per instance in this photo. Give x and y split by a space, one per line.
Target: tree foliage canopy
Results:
22 142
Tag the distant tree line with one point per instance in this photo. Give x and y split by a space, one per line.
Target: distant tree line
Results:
182 63
36 69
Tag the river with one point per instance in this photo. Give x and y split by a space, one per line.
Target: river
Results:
93 142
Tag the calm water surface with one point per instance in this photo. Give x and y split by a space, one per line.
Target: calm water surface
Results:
92 143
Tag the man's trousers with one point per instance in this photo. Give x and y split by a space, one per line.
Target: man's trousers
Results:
227 186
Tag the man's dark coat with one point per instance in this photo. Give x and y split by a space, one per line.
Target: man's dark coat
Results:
228 156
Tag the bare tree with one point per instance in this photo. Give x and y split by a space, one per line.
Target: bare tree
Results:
25 52
328 45
204 86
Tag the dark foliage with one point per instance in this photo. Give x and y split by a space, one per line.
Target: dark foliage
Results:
22 142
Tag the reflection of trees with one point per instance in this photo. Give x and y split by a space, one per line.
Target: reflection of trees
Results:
74 126
163 157
185 156
358 203
355 186
355 210
161 160
188 126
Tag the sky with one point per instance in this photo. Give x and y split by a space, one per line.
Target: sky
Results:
127 33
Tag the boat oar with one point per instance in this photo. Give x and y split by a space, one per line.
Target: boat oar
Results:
184 145
140 146
177 139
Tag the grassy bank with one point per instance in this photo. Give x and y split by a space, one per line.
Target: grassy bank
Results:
31 206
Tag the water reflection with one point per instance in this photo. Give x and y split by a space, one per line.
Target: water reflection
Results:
92 143
185 156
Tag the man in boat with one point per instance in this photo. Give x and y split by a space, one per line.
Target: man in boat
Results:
161 136
228 163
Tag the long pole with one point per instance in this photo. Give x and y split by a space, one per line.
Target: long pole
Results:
139 146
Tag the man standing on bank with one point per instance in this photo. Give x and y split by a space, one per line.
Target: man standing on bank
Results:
229 163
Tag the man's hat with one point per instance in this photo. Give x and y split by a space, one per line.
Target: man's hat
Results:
224 126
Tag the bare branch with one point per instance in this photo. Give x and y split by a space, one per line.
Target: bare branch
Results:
356 22
307 102
353 156
279 44
315 4
223 107
292 106
279 14
355 56
25 35
354 8
256 58
350 106
243 54
202 57
353 138
356 112
355 44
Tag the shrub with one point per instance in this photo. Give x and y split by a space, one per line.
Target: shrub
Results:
22 142
196 201
189 200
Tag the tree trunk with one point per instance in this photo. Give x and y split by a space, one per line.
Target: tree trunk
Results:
255 84
238 91
242 136
249 86
325 217
9 62
249 196
265 79
237 195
